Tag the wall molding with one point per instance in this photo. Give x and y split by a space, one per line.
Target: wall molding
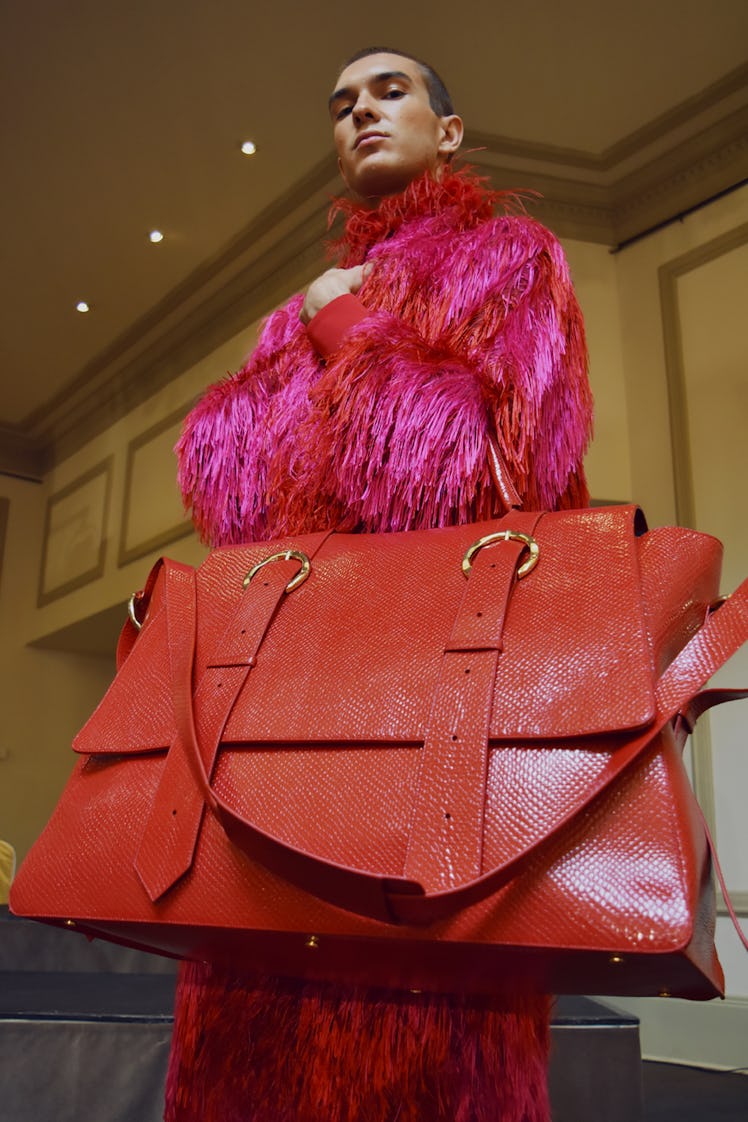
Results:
687 118
585 197
683 478
4 515
668 276
21 454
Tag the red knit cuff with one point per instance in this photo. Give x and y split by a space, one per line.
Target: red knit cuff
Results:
329 327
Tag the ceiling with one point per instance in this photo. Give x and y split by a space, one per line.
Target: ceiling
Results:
119 118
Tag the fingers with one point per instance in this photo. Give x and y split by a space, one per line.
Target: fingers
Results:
326 288
356 277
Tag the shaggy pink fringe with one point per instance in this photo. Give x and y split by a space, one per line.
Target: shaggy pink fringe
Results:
482 331
287 1052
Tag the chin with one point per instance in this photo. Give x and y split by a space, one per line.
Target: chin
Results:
382 173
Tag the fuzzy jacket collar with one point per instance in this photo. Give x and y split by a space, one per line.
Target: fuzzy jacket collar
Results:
460 200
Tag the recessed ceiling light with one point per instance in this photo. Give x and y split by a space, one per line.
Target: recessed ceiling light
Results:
156 236
249 147
82 306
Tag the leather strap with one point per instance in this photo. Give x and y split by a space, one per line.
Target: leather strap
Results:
677 691
167 846
403 899
502 480
446 841
704 701
684 726
720 875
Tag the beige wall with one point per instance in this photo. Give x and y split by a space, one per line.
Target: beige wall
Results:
608 464
49 693
44 693
682 308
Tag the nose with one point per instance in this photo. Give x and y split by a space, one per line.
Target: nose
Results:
364 109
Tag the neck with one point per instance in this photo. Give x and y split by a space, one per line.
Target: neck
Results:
371 202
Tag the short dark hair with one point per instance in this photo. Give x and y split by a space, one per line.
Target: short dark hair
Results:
439 98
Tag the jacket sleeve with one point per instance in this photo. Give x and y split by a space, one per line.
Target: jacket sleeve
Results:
494 340
222 453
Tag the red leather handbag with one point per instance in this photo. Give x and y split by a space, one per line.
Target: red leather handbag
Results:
445 759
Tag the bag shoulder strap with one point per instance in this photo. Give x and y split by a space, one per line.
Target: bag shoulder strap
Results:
500 476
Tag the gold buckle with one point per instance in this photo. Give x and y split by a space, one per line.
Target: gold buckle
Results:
290 554
504 536
131 611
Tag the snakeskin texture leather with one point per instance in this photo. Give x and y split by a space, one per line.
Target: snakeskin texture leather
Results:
404 774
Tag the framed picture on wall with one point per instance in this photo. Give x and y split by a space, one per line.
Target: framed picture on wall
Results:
75 534
153 515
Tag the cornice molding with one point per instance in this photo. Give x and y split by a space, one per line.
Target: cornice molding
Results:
21 455
693 115
733 87
245 280
577 203
677 162
701 167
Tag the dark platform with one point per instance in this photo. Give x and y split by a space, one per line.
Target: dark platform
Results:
673 1093
125 998
85 1030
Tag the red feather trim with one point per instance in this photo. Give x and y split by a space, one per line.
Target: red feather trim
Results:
272 1050
464 196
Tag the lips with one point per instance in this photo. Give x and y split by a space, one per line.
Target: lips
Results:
373 135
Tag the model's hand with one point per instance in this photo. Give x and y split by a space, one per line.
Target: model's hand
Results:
325 289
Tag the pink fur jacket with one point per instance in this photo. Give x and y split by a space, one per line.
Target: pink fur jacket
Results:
467 323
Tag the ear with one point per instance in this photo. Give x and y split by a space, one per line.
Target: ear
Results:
452 133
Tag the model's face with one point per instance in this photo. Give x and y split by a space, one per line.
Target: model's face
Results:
385 131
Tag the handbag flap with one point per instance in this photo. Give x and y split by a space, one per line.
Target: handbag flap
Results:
354 654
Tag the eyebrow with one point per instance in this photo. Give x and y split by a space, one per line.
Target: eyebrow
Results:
347 91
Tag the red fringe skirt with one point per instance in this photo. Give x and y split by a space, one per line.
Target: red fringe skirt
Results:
274 1050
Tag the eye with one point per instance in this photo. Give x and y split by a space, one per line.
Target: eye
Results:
341 113
395 93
